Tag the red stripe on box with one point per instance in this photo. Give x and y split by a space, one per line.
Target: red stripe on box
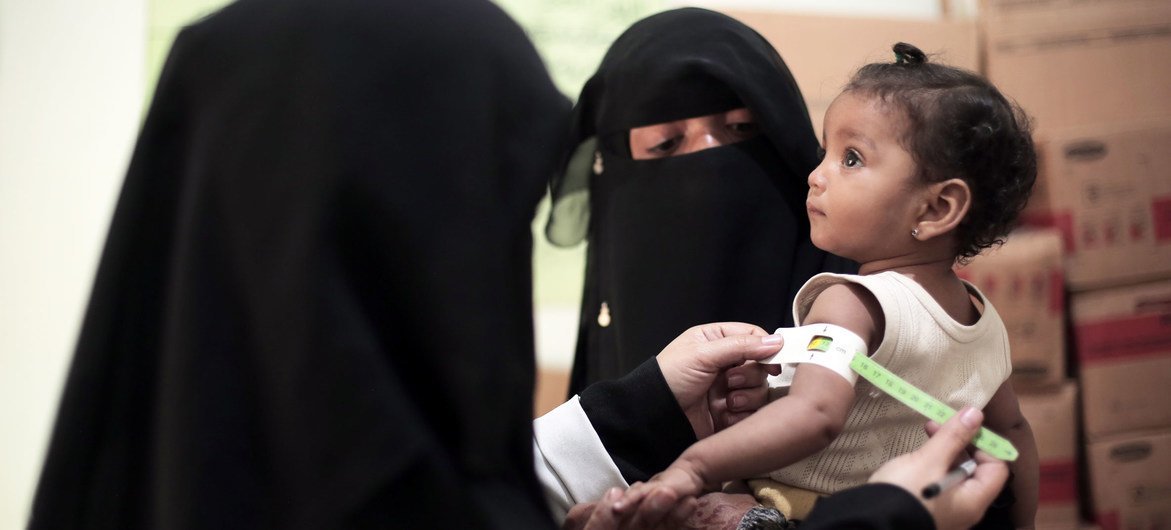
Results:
1056 291
1124 338
1109 521
1062 221
1058 482
1161 212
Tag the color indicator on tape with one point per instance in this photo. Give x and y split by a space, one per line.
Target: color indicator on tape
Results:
924 404
819 343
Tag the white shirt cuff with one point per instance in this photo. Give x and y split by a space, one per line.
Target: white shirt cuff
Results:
572 464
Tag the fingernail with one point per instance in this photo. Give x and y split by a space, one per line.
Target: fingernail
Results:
771 339
735 380
739 400
971 417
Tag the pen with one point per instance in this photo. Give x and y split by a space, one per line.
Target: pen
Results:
952 478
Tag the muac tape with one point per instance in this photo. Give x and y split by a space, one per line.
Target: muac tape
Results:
836 347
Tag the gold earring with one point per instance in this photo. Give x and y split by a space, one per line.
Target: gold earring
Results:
598 163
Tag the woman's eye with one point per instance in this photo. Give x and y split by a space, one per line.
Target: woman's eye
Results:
664 147
743 128
852 159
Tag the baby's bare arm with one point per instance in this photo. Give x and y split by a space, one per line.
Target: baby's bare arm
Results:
801 423
779 434
1003 416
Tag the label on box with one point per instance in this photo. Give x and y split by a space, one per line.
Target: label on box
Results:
1124 338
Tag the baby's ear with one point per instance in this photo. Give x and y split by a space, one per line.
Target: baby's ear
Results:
947 204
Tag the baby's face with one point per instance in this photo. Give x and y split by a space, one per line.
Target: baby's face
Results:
692 134
861 201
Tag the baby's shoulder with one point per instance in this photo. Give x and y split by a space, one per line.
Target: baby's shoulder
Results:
851 306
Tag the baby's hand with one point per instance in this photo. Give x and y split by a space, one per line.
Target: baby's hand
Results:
681 482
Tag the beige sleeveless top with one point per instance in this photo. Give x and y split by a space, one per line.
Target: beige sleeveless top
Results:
961 365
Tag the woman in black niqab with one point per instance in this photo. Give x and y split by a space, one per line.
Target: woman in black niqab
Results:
714 235
293 324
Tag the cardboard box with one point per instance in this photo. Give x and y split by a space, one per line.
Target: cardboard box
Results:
1077 62
1123 344
999 10
1053 417
1130 481
1109 193
822 60
1024 281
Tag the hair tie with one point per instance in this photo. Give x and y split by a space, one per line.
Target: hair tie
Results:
907 54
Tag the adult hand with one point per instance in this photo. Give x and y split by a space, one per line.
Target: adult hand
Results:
705 368
960 506
660 510
712 510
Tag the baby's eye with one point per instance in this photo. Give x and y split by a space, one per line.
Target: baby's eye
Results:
852 159
820 153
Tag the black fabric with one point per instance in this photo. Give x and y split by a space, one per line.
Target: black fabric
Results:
869 507
314 309
639 421
720 234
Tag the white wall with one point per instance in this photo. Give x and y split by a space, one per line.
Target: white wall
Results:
71 89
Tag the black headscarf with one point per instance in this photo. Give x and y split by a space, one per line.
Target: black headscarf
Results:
719 234
314 307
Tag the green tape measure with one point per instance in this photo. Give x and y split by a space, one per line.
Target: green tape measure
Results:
924 404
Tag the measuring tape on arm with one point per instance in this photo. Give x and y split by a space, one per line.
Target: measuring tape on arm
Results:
835 347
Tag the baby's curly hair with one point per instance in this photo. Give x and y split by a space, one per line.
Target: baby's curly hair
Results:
959 125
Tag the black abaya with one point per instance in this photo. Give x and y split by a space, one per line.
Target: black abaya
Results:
314 306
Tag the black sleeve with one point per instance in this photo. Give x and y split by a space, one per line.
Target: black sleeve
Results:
639 421
869 507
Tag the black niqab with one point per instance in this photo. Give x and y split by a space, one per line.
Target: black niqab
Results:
716 235
314 307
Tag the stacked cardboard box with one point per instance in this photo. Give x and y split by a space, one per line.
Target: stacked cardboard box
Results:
1095 75
1123 343
1124 353
1132 480
1106 190
1079 62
